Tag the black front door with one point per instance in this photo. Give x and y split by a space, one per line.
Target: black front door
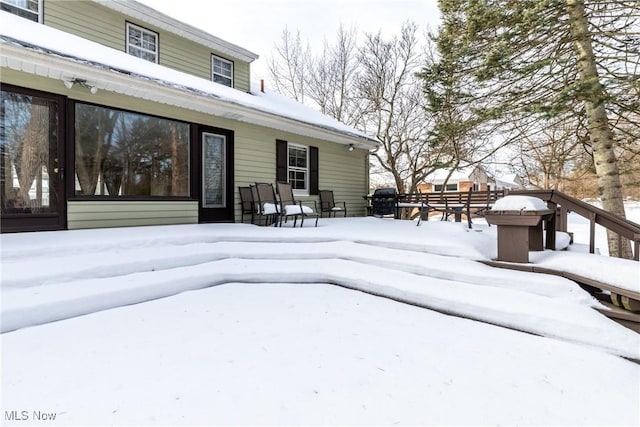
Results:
31 163
216 175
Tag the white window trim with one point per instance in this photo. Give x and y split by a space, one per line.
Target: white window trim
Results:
27 10
144 31
213 73
306 171
445 190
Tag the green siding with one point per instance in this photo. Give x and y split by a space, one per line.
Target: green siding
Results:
108 27
88 20
343 171
242 76
100 214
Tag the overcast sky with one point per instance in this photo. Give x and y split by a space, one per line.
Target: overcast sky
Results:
257 24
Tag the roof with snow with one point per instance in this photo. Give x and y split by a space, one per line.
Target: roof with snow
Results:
508 180
462 173
37 49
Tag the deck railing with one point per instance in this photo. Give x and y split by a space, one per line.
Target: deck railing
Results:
565 204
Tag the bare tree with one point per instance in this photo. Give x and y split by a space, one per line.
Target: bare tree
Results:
331 77
289 65
373 87
547 157
395 110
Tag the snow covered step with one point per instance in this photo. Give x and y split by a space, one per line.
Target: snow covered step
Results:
547 316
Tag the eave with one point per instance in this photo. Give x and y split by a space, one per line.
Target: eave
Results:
153 17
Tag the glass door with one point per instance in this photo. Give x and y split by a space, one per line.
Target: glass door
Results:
216 165
31 164
213 171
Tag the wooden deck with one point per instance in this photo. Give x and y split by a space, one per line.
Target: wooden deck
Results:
626 318
454 204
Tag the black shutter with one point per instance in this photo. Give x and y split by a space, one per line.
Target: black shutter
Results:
281 161
313 171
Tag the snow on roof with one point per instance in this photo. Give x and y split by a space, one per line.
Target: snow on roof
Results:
460 174
506 179
74 50
510 178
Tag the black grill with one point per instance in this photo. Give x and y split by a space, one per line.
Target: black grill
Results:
383 201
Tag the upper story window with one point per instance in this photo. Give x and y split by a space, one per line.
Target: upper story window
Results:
222 71
29 9
142 43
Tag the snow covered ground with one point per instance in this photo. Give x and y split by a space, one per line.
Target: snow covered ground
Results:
237 324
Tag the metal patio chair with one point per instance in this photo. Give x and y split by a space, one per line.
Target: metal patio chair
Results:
265 203
290 208
246 203
328 204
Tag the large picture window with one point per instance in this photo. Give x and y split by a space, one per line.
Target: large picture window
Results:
121 154
29 9
142 43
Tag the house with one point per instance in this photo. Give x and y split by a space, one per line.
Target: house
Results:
461 179
114 114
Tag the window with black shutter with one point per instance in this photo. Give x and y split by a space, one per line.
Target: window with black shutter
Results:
298 165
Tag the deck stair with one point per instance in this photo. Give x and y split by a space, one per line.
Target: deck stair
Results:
615 299
624 228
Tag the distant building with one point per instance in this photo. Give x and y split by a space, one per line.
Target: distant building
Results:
467 178
462 179
509 182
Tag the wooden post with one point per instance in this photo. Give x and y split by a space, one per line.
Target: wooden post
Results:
592 233
562 225
551 232
513 243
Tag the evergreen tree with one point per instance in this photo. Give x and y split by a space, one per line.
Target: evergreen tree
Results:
541 61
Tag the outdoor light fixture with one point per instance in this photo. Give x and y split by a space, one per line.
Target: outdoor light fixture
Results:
351 147
80 82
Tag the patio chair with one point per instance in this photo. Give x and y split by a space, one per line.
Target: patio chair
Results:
246 203
328 204
265 203
290 208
